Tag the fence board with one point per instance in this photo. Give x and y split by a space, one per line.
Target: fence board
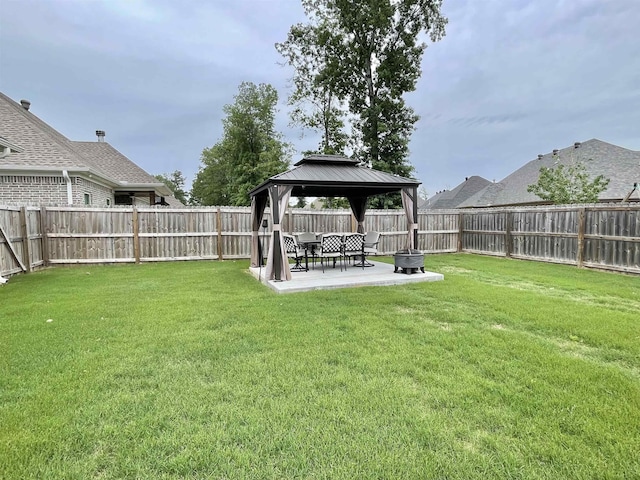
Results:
598 236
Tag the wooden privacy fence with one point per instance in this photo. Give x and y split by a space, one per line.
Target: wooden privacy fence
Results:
598 236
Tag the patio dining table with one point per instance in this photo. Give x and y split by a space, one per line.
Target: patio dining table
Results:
309 246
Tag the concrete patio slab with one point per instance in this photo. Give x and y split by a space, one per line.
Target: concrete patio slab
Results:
381 274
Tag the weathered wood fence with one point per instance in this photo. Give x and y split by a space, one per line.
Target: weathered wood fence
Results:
595 236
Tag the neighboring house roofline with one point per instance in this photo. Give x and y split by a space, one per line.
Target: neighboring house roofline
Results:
89 173
97 161
599 157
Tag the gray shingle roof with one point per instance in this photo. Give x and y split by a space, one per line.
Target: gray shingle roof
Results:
453 198
44 148
620 165
113 163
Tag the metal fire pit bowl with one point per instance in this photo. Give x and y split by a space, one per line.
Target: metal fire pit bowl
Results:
409 261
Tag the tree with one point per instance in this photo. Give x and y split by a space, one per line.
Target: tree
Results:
334 202
249 152
566 184
368 54
175 182
315 103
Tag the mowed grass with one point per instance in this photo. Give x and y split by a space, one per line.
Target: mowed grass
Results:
506 369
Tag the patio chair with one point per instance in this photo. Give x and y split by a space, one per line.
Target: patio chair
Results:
294 251
330 247
354 248
309 241
371 240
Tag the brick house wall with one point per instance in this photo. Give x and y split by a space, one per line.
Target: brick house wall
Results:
51 190
98 194
32 190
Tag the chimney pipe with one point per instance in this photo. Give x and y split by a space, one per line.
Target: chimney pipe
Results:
100 134
25 104
576 145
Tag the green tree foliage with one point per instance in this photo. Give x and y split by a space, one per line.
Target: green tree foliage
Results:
175 182
314 101
367 54
249 152
566 184
334 202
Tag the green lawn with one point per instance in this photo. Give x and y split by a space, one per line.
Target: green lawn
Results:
506 369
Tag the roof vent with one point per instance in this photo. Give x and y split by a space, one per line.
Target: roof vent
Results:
576 145
540 156
25 104
555 151
100 134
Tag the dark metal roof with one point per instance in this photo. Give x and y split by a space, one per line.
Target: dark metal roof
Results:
334 176
327 159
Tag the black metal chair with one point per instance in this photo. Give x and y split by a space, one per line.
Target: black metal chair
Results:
354 248
330 247
294 251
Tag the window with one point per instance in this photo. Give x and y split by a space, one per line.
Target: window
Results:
87 199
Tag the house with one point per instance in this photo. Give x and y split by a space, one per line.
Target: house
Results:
453 198
620 165
40 166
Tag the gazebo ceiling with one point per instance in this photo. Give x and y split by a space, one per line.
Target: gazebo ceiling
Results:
334 176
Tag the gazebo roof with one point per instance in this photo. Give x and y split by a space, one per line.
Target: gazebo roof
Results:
335 176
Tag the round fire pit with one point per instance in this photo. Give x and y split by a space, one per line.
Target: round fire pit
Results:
409 261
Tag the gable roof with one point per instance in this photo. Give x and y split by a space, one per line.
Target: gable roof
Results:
335 176
113 163
620 165
45 149
453 198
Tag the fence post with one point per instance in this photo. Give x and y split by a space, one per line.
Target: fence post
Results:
460 230
219 222
43 236
508 239
26 256
136 235
581 227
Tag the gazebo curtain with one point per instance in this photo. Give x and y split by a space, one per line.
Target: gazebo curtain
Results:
277 261
408 202
258 205
358 207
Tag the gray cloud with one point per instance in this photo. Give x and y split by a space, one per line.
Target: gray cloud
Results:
510 79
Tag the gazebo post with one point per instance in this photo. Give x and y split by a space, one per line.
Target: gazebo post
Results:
410 204
415 217
277 264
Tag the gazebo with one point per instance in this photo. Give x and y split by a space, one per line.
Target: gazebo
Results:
324 176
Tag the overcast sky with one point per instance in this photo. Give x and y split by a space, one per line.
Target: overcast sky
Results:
511 79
